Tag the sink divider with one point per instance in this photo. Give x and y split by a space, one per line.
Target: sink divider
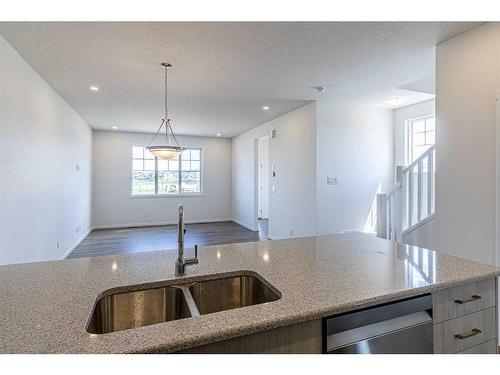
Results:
193 309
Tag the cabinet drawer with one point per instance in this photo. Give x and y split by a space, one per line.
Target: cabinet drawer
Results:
453 302
465 332
489 347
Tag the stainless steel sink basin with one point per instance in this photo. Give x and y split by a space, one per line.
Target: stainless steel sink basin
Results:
230 293
120 311
145 306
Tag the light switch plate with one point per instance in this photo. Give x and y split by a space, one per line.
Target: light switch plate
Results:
332 181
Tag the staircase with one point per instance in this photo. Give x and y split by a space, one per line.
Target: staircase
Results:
411 203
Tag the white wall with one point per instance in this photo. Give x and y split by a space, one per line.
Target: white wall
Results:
467 76
43 197
354 144
113 205
292 207
263 148
400 116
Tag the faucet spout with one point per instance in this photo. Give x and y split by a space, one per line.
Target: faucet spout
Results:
181 262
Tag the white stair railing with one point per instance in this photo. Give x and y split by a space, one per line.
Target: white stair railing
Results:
411 201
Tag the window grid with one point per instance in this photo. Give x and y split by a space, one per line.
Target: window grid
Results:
420 136
153 176
143 171
190 175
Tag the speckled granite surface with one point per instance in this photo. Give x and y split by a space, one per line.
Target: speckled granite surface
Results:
44 307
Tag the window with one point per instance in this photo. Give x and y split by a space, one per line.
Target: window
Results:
151 175
420 135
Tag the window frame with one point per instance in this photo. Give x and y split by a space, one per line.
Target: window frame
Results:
156 194
407 146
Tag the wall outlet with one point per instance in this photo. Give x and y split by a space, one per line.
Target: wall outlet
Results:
332 181
58 245
77 167
273 133
146 214
291 232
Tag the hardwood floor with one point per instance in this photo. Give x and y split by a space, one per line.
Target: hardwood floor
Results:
133 240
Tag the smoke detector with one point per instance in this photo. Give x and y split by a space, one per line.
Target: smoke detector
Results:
320 89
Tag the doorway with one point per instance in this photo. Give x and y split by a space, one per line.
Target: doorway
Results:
263 186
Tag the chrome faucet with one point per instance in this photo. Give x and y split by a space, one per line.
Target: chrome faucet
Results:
181 263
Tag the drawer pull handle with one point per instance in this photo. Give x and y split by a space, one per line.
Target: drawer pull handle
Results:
474 332
475 297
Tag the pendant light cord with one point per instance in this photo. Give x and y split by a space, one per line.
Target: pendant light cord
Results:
166 93
167 139
166 120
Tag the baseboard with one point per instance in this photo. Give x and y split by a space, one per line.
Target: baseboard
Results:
253 229
157 223
78 242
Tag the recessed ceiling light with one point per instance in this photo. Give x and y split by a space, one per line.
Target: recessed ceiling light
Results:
396 100
93 88
265 108
114 127
218 134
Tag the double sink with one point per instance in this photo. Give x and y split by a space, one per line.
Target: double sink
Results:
142 305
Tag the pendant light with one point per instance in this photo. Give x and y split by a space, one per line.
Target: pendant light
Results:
171 148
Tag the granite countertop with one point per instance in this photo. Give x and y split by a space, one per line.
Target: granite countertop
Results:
44 307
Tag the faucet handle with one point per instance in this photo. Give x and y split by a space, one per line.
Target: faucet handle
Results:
192 260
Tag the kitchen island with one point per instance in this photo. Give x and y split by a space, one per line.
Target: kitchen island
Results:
46 307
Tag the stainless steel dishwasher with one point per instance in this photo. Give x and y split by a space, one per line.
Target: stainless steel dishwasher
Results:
402 327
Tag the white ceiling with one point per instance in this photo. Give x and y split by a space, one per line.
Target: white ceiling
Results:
223 73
